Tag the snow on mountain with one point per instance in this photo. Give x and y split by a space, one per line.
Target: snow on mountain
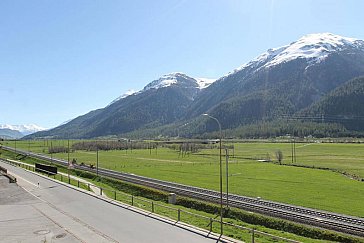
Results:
126 94
204 82
173 78
24 129
165 81
314 47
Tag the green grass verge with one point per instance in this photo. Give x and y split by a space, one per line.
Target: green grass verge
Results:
320 189
274 226
237 216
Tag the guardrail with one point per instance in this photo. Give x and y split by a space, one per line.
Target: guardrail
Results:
308 216
153 206
4 172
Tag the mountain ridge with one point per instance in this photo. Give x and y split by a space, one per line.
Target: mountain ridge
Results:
254 76
23 129
162 101
167 80
281 81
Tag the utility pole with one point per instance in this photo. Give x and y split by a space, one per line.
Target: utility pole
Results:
227 177
68 168
220 160
97 161
294 149
51 152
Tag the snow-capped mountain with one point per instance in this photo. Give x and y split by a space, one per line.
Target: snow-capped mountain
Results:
178 78
175 78
314 48
18 131
126 94
167 80
286 78
204 82
278 83
24 129
160 102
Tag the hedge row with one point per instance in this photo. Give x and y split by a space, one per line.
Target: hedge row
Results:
233 213
269 222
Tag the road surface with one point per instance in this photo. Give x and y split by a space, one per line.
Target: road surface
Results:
41 210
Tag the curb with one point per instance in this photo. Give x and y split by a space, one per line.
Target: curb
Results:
166 220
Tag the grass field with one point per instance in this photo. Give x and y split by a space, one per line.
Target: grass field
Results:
188 215
314 188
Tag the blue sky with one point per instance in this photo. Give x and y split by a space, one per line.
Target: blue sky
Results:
62 58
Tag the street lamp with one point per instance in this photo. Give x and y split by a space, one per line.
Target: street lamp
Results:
220 168
51 152
68 158
97 160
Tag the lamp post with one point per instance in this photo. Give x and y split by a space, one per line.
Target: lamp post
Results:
227 177
97 160
68 158
220 147
51 152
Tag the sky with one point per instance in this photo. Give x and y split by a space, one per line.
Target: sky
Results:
63 58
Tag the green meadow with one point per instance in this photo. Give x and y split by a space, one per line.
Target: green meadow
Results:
309 187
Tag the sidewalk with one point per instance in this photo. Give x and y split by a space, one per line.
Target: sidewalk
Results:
93 187
21 221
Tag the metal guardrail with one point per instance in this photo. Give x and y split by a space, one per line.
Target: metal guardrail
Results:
4 172
153 204
341 223
312 217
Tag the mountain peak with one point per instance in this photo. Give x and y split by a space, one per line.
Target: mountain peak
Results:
126 94
204 82
24 129
167 80
328 38
313 47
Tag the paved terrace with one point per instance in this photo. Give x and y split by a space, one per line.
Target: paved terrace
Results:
37 209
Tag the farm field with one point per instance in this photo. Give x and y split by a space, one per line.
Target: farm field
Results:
341 156
322 189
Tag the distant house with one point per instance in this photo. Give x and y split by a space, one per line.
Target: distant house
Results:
210 141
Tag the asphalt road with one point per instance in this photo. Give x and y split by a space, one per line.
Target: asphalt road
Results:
56 213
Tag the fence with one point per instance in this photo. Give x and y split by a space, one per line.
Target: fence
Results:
213 224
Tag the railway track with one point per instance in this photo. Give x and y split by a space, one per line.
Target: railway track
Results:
323 219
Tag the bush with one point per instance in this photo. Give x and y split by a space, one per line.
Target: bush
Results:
266 221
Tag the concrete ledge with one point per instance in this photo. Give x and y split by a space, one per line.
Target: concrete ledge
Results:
185 226
2 169
11 178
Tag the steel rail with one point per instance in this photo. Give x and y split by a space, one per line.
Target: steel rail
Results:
323 219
